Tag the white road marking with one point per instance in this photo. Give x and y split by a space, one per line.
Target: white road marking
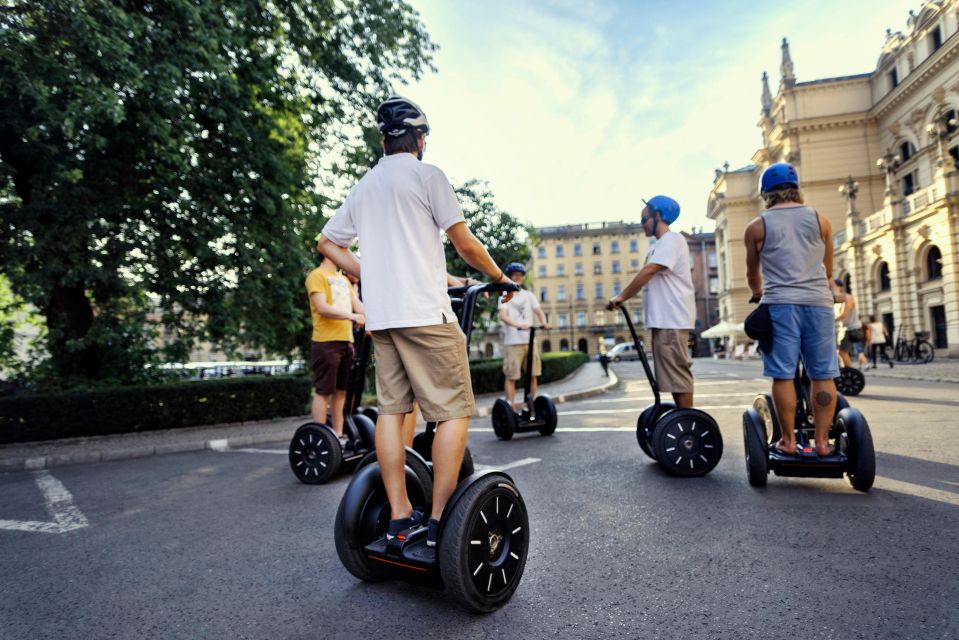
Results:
597 412
59 504
504 467
649 399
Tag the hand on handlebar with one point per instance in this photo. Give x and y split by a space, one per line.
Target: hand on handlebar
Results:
614 303
756 297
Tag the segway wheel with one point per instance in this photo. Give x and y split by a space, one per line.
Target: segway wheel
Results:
859 450
483 544
545 411
367 430
841 403
315 453
423 445
504 419
757 453
370 412
687 442
645 425
413 460
763 404
364 513
850 382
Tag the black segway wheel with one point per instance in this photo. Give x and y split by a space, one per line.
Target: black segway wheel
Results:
687 442
545 411
856 439
850 382
413 460
757 460
423 445
763 404
370 412
841 403
364 513
315 453
646 423
504 419
483 544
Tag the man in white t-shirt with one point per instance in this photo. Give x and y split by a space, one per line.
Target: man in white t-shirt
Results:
517 317
398 210
668 299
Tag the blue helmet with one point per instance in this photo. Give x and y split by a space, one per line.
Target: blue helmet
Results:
513 267
779 175
666 207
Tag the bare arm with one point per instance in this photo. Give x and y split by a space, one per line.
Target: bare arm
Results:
638 282
318 298
476 255
541 316
340 256
357 303
828 255
753 239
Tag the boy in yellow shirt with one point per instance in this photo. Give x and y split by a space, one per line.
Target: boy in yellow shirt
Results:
334 306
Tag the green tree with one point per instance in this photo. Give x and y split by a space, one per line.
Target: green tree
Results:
159 165
506 238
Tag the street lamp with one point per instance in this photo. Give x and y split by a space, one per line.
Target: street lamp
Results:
889 163
941 127
850 190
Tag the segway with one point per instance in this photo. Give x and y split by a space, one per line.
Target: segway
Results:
850 382
483 540
315 452
854 457
685 442
537 415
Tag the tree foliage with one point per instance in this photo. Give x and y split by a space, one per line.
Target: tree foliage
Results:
160 163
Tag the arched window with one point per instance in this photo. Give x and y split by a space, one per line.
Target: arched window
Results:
847 282
564 345
547 346
581 345
885 284
906 150
933 264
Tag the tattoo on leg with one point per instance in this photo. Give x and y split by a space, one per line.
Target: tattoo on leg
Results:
823 398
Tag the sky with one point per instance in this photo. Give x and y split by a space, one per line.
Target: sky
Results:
574 110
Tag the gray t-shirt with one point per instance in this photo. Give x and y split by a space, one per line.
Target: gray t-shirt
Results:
792 258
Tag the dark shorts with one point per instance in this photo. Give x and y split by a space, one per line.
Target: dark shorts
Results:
331 363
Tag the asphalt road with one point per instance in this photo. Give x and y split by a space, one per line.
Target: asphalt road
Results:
229 544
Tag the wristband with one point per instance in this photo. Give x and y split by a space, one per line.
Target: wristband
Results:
502 274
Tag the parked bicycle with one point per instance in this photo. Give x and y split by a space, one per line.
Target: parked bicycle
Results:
918 350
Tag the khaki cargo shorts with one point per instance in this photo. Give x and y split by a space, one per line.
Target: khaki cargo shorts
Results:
514 360
671 360
428 364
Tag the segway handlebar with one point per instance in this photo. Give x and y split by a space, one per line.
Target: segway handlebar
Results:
468 300
640 348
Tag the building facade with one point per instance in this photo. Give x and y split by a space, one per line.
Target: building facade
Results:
876 155
704 267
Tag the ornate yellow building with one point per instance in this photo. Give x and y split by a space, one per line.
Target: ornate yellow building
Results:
876 154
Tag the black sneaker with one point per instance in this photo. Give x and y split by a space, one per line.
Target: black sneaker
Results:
434 532
401 524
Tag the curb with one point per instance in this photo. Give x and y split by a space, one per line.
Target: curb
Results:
34 463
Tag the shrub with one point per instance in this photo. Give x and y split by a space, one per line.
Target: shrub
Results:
488 374
48 416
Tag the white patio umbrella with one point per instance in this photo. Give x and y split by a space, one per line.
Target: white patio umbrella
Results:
723 329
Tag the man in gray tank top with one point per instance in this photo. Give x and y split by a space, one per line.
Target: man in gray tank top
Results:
789 267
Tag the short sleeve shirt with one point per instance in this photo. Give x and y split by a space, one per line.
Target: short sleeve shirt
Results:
339 294
398 211
520 310
669 298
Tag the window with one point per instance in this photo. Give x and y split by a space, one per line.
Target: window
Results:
893 79
547 346
564 345
599 289
634 264
577 249
596 249
909 183
711 259
559 251
615 266
617 288
935 38
934 264
601 318
542 271
614 247
561 269
543 294
633 246
541 251
885 284
580 291
906 150
561 292
618 319
635 316
597 268
563 322
578 268
580 318
714 285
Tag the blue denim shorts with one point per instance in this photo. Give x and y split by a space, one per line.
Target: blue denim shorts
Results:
800 329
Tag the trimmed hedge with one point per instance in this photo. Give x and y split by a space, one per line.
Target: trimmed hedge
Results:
488 374
31 417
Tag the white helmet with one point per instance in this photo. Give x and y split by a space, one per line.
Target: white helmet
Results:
397 115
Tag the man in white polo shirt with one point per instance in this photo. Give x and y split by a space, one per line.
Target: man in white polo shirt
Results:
517 317
668 299
398 210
